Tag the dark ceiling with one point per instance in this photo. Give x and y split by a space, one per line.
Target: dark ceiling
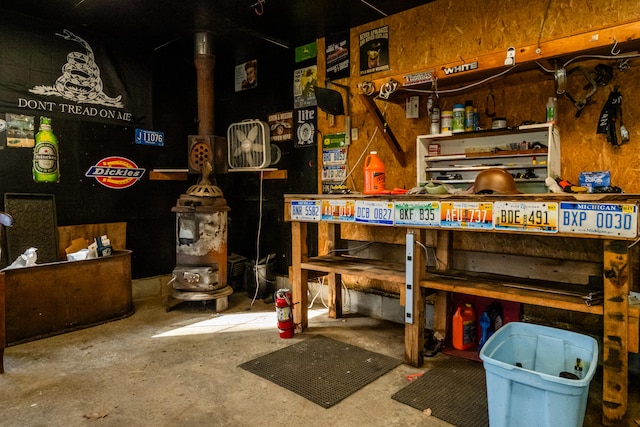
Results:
156 24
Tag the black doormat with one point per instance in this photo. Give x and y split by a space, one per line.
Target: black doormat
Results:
455 390
322 370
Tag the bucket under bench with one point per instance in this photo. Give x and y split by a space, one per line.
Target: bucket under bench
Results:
562 238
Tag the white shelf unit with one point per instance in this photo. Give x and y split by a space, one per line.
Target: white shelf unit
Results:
464 155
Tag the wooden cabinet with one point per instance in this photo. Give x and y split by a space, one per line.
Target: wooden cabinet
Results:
530 153
52 298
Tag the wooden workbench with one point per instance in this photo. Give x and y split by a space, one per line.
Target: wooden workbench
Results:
568 232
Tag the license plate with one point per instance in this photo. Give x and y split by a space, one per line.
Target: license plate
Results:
337 156
338 210
149 137
604 219
466 215
526 216
334 173
369 212
417 213
305 210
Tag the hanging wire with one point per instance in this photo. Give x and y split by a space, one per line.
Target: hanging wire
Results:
544 20
256 278
258 7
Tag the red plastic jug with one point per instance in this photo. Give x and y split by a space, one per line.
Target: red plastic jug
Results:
464 328
374 181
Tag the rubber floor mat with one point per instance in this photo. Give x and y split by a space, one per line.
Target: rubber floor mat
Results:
455 390
321 369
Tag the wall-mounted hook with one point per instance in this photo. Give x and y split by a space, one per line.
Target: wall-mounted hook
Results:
615 44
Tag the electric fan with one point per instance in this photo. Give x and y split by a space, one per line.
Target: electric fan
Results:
249 146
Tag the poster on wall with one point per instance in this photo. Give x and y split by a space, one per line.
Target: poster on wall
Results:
60 72
19 130
246 76
305 127
304 82
281 126
374 50
337 54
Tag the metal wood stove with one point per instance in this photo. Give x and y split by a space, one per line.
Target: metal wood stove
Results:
201 246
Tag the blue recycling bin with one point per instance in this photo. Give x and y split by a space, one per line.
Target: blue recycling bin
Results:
523 364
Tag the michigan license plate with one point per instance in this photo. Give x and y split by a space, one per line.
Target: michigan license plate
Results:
604 219
337 156
466 215
305 210
526 216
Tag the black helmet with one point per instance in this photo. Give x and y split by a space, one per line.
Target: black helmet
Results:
495 181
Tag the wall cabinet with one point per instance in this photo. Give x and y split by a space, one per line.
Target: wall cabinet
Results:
530 153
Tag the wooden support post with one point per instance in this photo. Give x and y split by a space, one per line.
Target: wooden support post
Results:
615 352
444 243
299 253
414 332
334 279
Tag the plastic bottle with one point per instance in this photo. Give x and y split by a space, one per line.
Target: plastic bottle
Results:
485 325
446 121
374 181
577 369
464 327
469 119
435 117
458 118
552 109
45 154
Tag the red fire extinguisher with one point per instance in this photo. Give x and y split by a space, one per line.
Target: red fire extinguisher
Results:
284 313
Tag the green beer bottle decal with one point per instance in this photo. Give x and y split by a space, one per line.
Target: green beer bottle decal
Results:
45 154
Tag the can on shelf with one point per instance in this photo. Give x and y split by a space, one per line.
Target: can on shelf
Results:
446 121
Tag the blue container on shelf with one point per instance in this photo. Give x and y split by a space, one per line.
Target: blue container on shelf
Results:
523 364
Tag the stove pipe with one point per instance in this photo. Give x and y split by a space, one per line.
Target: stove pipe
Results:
205 64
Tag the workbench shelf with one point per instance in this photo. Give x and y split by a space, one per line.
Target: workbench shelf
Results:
355 266
500 290
532 151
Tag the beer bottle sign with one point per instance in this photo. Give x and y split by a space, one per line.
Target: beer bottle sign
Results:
45 154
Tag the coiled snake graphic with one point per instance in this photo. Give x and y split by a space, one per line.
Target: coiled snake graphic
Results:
80 80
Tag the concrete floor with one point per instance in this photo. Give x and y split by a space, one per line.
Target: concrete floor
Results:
181 369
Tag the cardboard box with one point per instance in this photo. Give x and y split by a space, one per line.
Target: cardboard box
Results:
595 179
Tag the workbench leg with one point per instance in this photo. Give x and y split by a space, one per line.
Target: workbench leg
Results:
615 336
444 247
414 332
299 277
334 281
440 315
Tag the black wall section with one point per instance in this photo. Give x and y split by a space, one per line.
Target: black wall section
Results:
146 206
274 93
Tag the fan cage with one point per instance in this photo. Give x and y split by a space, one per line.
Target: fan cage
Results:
244 158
